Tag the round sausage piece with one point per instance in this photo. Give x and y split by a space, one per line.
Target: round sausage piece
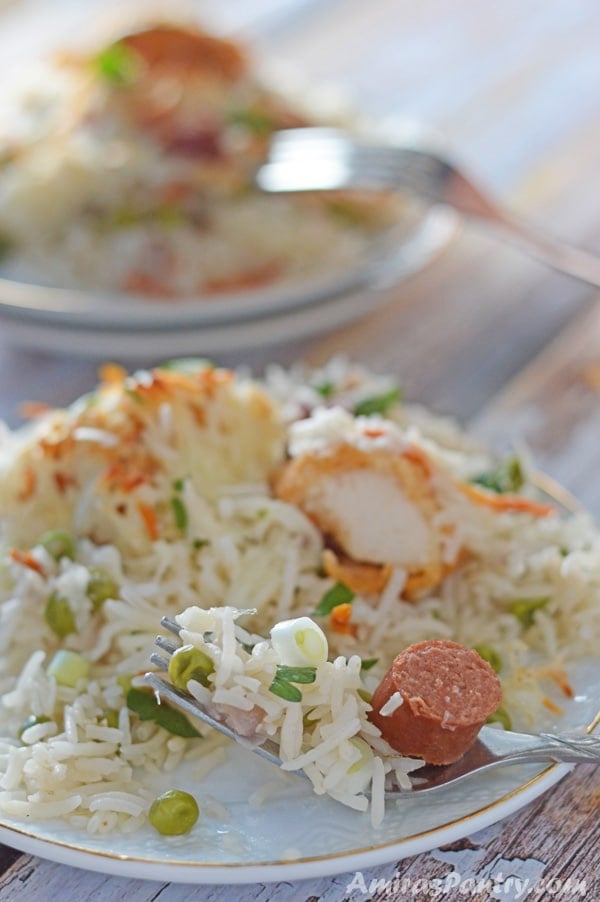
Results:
434 699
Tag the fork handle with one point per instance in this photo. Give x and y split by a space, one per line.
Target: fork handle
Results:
560 256
576 747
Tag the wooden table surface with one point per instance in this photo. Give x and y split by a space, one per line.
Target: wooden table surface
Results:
486 334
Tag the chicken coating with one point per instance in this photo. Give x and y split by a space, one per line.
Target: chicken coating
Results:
375 497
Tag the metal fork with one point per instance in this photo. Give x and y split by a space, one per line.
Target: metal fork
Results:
328 159
493 748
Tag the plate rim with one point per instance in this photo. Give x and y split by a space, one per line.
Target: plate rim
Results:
220 873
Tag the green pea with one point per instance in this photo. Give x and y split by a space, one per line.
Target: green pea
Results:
189 663
174 812
32 721
58 544
524 609
100 587
502 716
490 655
59 616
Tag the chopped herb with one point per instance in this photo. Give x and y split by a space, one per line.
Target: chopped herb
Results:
200 543
179 512
143 703
367 663
118 64
506 477
178 484
490 655
378 403
286 676
297 674
524 609
247 647
285 690
502 716
325 389
254 120
262 513
365 695
338 594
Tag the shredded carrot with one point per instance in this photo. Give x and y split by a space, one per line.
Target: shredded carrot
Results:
506 501
27 560
552 706
148 515
30 483
340 618
559 677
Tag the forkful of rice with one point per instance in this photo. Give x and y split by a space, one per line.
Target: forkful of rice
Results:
281 698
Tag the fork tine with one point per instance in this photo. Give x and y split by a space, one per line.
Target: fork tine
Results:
166 644
161 663
171 625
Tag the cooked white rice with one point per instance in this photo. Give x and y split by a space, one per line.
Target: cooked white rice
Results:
88 757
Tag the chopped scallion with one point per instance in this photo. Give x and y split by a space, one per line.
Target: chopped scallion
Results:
338 594
378 403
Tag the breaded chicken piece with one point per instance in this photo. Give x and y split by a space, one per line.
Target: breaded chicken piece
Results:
374 496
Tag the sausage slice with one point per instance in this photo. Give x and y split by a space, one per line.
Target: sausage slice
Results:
434 699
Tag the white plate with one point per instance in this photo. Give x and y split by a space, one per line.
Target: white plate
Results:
187 331
296 834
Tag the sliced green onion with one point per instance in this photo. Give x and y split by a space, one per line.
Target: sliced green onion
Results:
179 512
378 403
101 586
285 690
189 663
59 616
506 477
368 663
68 667
338 594
490 655
365 695
297 674
178 485
174 812
145 705
200 543
58 544
524 609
